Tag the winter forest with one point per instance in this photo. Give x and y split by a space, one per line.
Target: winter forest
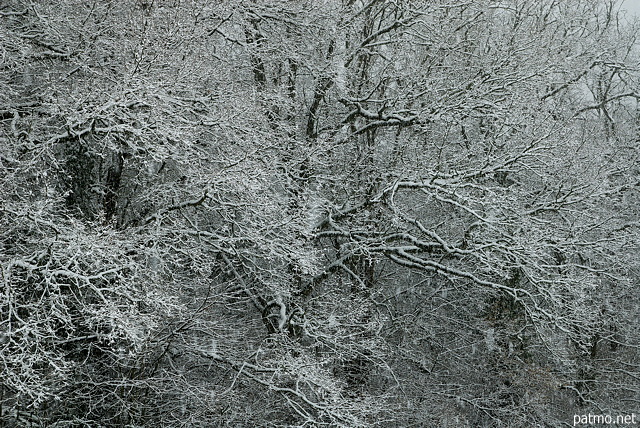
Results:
308 213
